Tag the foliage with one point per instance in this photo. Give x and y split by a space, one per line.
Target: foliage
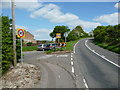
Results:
76 33
7 44
72 36
7 48
59 29
108 35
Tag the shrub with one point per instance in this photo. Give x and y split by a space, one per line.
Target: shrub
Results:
7 45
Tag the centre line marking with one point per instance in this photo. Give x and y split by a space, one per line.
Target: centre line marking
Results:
73 70
71 62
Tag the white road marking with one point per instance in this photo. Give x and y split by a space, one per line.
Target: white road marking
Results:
73 70
85 83
71 56
75 46
62 56
45 57
72 63
59 76
71 59
102 56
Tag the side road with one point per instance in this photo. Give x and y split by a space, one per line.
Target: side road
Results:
55 69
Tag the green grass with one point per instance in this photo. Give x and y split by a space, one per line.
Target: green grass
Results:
29 48
69 47
113 48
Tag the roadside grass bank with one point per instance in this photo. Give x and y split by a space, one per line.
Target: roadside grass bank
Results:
29 48
69 47
113 48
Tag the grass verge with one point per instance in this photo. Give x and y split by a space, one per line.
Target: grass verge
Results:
113 48
29 48
69 47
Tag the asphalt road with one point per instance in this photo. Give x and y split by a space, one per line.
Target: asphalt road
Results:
96 71
55 69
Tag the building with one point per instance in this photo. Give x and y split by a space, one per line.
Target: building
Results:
29 37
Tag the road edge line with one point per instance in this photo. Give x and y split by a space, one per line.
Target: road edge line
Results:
101 55
75 46
86 85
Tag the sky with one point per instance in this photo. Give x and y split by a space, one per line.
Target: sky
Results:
40 18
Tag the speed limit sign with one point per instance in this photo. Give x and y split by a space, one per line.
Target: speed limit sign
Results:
20 33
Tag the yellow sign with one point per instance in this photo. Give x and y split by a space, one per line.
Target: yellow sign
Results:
20 33
58 35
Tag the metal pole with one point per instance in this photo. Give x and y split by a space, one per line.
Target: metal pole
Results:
14 35
21 51
65 39
58 40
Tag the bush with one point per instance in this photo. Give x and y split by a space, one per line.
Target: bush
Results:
5 66
7 45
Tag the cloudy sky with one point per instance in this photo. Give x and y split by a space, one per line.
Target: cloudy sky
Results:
40 17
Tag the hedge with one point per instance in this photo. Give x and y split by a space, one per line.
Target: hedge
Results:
7 44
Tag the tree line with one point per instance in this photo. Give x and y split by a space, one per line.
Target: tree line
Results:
73 35
108 35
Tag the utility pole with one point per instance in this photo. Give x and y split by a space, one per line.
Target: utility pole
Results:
14 34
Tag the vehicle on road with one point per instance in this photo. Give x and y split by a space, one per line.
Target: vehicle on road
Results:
41 47
51 46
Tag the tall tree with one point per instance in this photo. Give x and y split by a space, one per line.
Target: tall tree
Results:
59 29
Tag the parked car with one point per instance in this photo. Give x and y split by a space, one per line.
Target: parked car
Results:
51 46
41 47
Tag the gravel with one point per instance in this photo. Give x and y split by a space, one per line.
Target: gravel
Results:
22 76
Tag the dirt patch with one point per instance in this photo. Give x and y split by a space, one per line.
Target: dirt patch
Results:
22 76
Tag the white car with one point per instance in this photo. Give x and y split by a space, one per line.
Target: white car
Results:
41 47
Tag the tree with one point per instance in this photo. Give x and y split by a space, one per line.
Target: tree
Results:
7 44
59 29
72 36
76 33
7 48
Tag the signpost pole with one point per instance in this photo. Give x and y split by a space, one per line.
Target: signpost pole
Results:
58 40
21 51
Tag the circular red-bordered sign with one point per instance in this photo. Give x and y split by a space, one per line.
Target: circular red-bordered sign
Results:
21 33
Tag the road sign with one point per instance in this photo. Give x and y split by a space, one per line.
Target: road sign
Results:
62 44
58 35
20 33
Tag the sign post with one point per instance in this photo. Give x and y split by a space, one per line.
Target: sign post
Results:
21 50
21 34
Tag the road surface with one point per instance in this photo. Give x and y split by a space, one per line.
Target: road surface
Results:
90 61
55 69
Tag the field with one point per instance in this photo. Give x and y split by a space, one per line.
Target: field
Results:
29 48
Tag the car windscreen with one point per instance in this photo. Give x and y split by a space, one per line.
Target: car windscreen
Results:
53 44
47 45
39 45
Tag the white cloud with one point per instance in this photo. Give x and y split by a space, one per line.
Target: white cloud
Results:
21 27
42 34
117 5
29 5
111 19
53 13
